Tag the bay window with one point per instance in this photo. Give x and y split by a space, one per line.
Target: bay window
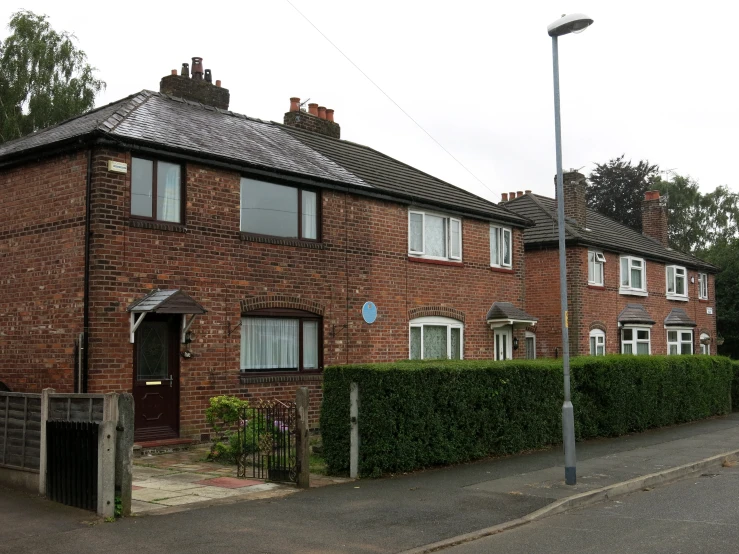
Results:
635 340
633 276
595 267
434 236
679 341
501 245
280 340
156 190
278 210
436 338
677 282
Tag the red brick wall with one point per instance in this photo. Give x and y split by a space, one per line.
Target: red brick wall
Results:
363 257
42 218
601 306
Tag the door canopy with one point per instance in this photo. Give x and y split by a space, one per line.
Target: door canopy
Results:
172 301
505 313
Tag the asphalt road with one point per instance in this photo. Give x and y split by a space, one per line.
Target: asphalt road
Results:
692 516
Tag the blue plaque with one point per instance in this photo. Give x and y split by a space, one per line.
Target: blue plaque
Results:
369 312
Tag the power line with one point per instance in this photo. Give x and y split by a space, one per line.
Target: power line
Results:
389 98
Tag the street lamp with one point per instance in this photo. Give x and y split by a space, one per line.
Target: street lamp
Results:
566 24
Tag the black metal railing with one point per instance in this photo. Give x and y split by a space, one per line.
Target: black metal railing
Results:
267 441
72 463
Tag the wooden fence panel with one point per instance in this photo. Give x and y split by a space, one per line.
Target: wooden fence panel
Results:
20 430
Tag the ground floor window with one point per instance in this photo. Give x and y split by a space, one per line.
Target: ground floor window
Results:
679 341
436 338
705 344
281 343
635 341
597 343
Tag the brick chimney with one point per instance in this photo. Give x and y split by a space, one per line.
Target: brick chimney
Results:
574 186
654 217
198 88
318 119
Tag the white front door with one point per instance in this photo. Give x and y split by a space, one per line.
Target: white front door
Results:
503 343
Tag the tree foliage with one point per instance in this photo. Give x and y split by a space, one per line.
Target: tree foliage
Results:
725 254
44 77
617 188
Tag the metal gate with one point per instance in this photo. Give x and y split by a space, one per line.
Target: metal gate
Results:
267 440
72 463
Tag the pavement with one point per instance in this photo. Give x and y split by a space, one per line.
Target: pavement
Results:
424 511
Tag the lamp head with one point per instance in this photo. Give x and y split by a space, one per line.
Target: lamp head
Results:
567 24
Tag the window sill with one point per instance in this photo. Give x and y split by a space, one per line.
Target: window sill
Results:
501 269
435 262
157 225
629 292
246 378
677 298
282 241
596 287
703 300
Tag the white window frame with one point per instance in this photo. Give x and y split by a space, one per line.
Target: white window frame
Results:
635 340
597 334
630 288
678 271
680 340
705 348
449 223
448 322
497 234
596 258
532 336
703 286
498 334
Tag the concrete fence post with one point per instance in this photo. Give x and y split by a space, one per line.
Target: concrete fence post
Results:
354 437
124 451
106 456
302 398
42 446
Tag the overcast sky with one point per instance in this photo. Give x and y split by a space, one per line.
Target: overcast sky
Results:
654 80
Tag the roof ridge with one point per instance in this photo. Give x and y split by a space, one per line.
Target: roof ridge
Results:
117 117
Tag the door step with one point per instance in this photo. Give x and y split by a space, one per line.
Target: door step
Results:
163 446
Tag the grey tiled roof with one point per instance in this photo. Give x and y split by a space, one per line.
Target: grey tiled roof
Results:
635 313
160 121
172 301
679 317
601 232
506 310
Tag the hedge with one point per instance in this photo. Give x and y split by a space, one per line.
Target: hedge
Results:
419 414
735 387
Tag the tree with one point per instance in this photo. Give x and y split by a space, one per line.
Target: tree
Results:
617 188
725 254
44 77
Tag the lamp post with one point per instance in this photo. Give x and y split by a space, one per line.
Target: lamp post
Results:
563 26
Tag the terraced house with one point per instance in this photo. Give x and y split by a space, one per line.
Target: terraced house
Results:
166 246
628 292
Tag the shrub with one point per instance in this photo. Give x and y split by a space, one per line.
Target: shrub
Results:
223 415
422 413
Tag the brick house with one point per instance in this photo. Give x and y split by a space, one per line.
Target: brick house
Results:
627 292
166 246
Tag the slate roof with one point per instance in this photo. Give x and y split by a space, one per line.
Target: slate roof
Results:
601 232
635 313
172 301
506 310
163 122
679 317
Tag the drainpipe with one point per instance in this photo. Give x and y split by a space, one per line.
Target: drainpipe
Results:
86 298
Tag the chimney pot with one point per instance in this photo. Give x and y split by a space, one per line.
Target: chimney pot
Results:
197 68
651 195
511 195
329 114
322 112
519 193
208 76
528 192
174 72
185 71
504 197
218 83
313 109
294 104
322 120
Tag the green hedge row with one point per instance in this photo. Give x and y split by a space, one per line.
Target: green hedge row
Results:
419 414
735 387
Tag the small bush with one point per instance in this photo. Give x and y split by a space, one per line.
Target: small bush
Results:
423 413
223 415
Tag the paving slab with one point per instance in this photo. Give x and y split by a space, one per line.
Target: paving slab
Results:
180 500
229 482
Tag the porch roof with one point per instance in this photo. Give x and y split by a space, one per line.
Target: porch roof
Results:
634 313
505 313
678 317
172 301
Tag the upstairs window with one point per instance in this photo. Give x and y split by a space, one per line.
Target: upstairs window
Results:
635 341
156 190
679 341
595 267
677 282
278 210
703 286
434 236
500 247
597 343
633 276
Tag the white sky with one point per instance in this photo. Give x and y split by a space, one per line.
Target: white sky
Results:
651 79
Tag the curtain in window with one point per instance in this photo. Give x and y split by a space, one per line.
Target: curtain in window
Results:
506 247
310 345
310 215
168 192
434 342
591 269
456 344
636 278
142 175
435 231
415 343
416 232
269 343
670 279
625 272
628 348
642 348
455 238
494 242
